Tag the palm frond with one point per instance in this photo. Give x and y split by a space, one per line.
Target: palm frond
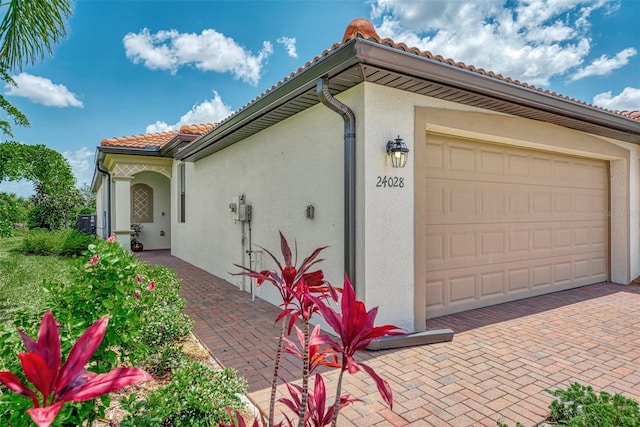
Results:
29 30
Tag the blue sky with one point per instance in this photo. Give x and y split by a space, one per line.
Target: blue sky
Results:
132 67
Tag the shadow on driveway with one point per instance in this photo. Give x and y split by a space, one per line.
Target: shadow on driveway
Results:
486 316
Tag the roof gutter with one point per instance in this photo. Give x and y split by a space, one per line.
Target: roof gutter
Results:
349 117
152 151
361 51
408 63
100 168
222 135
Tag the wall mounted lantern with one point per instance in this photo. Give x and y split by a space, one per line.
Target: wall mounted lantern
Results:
398 152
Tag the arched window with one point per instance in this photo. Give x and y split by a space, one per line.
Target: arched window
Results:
141 203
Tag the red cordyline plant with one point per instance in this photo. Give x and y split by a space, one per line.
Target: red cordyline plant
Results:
304 294
295 285
354 326
317 413
241 422
317 357
69 382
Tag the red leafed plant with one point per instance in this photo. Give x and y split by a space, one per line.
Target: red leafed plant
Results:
295 285
317 357
303 294
317 413
67 383
354 325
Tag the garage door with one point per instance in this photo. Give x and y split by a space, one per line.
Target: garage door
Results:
505 223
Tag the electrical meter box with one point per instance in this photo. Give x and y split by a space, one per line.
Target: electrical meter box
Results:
244 213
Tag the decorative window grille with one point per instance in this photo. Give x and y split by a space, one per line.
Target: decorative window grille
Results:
141 203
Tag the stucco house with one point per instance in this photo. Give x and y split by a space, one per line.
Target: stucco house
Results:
509 190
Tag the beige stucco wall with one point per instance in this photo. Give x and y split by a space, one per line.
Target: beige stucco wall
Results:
387 261
279 171
300 161
156 234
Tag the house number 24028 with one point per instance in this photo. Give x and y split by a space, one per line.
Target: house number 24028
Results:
390 182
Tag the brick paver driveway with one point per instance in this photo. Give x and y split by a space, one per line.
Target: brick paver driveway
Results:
498 365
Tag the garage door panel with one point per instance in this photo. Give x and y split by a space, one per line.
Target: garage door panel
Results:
505 223
454 246
492 283
435 297
598 269
450 291
542 275
454 202
469 160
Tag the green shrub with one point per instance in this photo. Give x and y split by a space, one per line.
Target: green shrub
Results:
580 406
196 396
165 320
143 302
75 243
145 327
42 242
63 242
103 283
13 210
144 319
163 360
13 407
6 228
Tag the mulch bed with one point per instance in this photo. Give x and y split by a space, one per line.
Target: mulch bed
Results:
192 349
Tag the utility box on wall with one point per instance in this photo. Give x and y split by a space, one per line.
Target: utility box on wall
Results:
86 224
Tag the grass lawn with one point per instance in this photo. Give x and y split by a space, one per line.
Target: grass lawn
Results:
21 277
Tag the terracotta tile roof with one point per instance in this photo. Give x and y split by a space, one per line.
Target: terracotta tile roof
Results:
140 141
362 28
197 129
631 114
158 139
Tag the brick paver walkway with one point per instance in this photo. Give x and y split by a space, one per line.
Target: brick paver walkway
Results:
498 365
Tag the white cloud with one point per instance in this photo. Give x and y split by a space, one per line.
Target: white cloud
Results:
160 126
605 65
210 111
628 100
207 51
289 43
81 162
532 40
42 91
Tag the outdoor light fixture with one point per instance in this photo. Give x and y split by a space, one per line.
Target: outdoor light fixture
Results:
398 152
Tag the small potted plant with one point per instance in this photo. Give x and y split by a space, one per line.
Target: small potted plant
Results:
136 245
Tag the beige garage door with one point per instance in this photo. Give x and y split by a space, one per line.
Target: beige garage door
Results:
505 223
